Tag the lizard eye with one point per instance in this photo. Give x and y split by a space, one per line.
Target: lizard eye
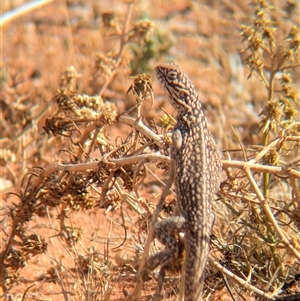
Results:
182 94
173 75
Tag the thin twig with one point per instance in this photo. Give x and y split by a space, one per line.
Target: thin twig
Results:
22 10
269 213
241 281
265 150
123 41
261 168
141 127
113 162
138 286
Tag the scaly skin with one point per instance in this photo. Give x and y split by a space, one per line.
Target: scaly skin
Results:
197 168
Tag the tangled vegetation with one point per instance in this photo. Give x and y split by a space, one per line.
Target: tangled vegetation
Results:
80 151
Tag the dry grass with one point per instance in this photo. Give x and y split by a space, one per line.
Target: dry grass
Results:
85 137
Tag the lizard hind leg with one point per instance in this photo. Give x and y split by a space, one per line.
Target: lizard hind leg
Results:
171 258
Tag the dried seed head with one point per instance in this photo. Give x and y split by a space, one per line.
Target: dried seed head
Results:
140 31
110 200
16 259
108 19
254 62
82 106
68 79
294 41
71 235
247 32
288 109
6 155
286 78
271 115
34 244
141 88
167 121
104 64
10 276
271 158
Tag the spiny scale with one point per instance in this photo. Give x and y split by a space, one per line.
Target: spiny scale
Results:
197 168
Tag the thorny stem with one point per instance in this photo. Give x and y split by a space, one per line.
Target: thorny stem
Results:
296 192
123 41
261 168
228 287
266 176
26 291
9 244
64 291
140 126
91 146
128 199
266 181
266 149
241 281
271 85
138 286
262 75
135 173
269 213
113 162
152 157
88 131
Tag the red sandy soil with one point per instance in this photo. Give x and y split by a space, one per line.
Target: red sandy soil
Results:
37 48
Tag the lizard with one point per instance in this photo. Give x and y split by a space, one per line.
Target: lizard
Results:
197 168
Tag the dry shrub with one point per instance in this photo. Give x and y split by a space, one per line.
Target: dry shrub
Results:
255 244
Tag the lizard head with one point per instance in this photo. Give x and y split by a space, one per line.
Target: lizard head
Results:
177 86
